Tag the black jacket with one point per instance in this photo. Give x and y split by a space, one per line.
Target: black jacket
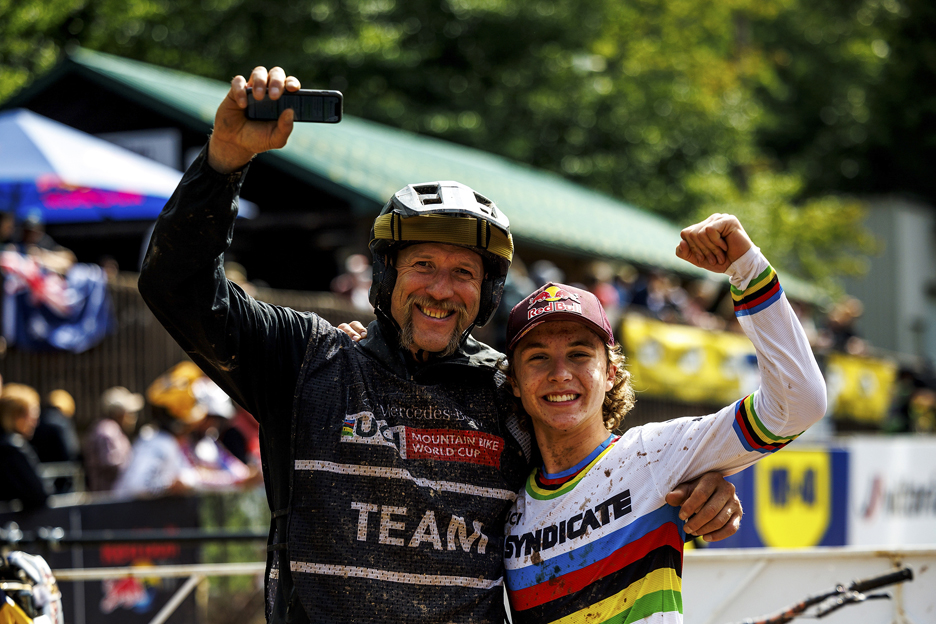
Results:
19 469
295 374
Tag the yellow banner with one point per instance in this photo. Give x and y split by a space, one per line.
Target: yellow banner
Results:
859 387
793 498
687 363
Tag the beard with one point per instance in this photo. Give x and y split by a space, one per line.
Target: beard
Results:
407 331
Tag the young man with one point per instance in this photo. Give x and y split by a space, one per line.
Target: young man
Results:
590 537
389 463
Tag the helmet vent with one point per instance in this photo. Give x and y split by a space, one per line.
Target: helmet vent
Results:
484 201
428 194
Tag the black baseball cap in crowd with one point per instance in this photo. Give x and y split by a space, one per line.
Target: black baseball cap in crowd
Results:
558 302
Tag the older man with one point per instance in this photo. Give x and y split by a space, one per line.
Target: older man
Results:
389 463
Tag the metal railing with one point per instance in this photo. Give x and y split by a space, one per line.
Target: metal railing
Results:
195 573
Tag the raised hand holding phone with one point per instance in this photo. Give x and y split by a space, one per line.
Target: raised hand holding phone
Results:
237 139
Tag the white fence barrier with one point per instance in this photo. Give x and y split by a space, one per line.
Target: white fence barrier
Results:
719 586
722 586
196 573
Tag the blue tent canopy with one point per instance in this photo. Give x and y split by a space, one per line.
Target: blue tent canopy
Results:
62 175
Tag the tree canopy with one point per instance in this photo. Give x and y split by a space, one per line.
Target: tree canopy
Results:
782 111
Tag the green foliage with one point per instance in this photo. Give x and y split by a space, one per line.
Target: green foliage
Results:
853 107
29 44
820 239
679 107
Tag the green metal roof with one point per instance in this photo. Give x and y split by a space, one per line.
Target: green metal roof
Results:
365 163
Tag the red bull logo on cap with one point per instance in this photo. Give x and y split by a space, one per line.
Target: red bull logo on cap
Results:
557 300
553 293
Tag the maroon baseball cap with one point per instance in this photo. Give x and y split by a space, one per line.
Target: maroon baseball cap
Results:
558 302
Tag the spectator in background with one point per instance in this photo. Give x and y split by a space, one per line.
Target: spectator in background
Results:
922 411
227 424
657 295
19 465
913 406
174 458
700 301
218 429
111 267
36 242
55 438
7 228
625 280
107 449
840 333
545 271
601 284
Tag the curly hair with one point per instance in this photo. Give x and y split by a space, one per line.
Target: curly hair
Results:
618 401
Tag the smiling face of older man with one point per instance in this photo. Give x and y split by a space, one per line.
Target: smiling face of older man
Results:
436 296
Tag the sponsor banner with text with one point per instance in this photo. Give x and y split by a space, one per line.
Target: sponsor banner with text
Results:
688 363
892 494
860 388
795 498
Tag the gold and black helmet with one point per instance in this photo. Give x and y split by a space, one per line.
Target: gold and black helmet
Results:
441 212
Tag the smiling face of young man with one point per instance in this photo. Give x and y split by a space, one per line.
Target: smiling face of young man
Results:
560 373
437 295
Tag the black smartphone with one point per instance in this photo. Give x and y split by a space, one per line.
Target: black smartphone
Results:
309 105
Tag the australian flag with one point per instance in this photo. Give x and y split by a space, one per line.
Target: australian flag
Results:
43 310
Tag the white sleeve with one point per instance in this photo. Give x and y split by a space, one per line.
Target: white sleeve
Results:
790 399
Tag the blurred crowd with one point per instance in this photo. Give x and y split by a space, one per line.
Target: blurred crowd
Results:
196 439
28 236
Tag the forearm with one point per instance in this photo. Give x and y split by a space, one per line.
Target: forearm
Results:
227 333
792 393
195 227
182 279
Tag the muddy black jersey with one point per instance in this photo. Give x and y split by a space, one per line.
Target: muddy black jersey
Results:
400 489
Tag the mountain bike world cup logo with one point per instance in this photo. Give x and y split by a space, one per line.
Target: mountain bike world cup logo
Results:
456 445
557 300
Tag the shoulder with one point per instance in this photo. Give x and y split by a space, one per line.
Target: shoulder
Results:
8 444
14 441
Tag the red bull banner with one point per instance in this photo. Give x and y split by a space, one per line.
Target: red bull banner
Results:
860 388
687 363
